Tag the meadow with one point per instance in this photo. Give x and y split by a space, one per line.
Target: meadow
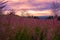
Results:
13 27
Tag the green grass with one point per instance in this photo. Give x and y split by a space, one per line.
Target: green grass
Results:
23 34
55 34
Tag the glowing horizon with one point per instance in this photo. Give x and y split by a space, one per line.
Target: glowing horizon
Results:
33 13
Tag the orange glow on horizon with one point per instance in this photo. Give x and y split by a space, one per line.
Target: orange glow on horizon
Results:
35 13
32 13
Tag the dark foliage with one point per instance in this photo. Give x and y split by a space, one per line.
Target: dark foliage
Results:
2 5
55 8
36 17
58 18
50 17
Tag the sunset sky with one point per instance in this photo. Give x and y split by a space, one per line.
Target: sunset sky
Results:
29 4
41 5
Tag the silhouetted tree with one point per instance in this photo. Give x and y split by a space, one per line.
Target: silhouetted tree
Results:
24 12
2 5
50 17
58 17
55 7
12 12
36 17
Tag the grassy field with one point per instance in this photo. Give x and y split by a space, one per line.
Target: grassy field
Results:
19 28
